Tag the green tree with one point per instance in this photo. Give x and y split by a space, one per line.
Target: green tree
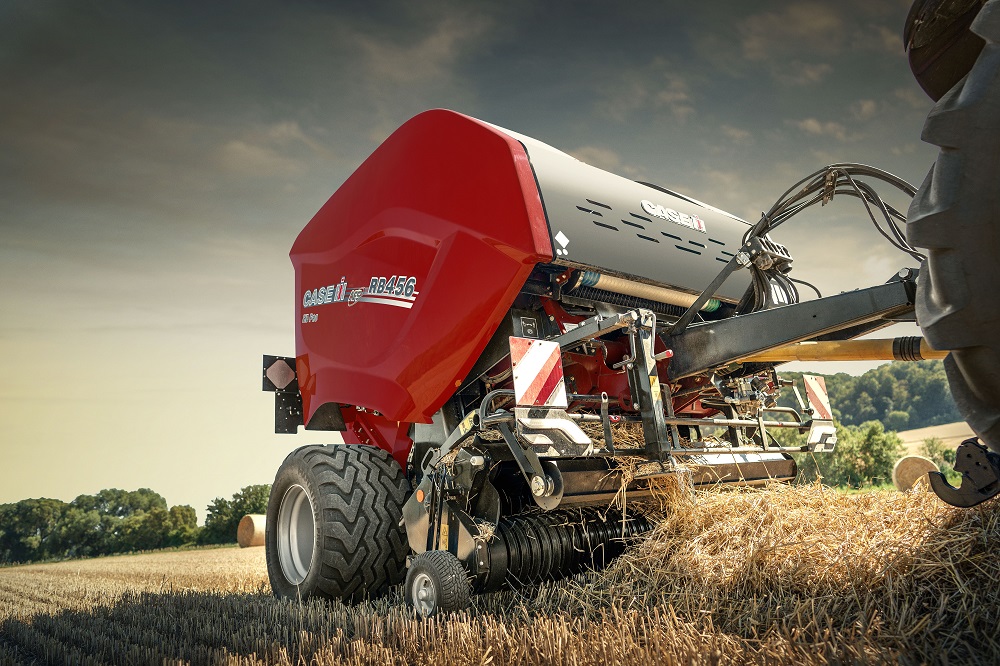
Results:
121 503
183 525
30 529
223 516
218 518
884 393
112 521
251 499
936 450
943 456
896 420
82 534
864 455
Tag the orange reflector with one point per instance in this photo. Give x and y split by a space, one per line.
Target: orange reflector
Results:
420 496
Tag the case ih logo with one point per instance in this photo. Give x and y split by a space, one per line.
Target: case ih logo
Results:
683 219
397 290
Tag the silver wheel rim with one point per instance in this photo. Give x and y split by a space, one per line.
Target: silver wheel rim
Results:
424 594
296 534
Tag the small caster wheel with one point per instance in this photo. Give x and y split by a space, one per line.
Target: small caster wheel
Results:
437 583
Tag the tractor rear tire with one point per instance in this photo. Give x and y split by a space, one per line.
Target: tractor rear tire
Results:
955 215
333 523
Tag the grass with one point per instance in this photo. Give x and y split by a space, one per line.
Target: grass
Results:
797 574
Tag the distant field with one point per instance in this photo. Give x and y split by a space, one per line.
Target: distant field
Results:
793 574
950 434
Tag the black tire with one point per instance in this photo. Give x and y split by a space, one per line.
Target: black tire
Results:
340 535
956 217
437 583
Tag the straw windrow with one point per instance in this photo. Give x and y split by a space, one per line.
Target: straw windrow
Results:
786 574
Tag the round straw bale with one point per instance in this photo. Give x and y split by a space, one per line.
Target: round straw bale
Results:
251 531
910 469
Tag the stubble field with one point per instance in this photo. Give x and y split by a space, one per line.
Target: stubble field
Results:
782 575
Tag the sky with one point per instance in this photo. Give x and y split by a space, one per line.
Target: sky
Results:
157 161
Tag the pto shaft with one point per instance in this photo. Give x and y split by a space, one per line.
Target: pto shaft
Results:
911 348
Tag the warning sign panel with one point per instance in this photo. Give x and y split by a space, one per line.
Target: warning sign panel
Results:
538 373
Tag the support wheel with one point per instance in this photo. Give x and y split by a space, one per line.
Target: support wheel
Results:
333 523
437 583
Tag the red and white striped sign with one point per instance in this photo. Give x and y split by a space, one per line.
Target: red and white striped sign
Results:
538 373
819 399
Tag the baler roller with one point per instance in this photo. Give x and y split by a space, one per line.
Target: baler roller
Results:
528 549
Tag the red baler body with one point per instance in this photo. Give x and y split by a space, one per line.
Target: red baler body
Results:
447 212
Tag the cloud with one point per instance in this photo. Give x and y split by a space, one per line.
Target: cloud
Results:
288 132
602 158
864 109
799 73
736 134
248 159
400 77
819 128
905 149
890 40
799 27
430 58
675 95
280 149
657 87
913 97
779 40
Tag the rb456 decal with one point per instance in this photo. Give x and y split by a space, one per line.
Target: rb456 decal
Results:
396 290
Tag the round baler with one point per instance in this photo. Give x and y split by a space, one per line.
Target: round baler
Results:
514 345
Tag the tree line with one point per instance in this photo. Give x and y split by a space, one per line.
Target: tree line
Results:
902 396
117 521
868 411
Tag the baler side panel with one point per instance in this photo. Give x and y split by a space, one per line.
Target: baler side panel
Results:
446 202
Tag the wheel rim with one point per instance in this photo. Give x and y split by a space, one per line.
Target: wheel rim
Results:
296 534
424 594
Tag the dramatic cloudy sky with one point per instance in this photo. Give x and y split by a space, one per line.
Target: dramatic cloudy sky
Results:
158 159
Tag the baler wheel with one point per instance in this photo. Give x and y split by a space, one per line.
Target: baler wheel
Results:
437 583
333 523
